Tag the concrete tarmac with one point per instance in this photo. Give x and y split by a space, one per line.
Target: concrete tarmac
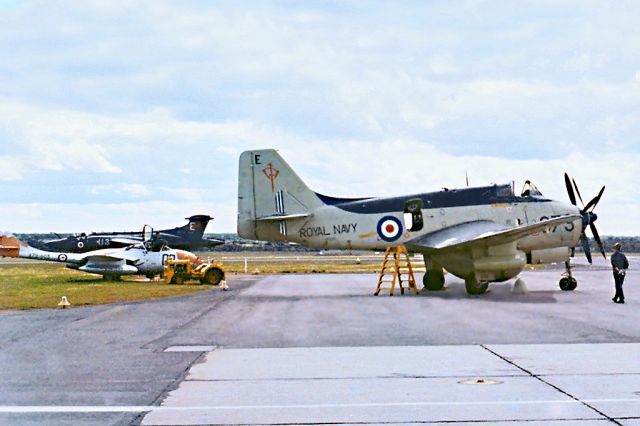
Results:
108 364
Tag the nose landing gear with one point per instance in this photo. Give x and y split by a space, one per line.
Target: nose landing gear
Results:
567 282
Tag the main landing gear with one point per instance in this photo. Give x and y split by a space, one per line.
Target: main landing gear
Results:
433 279
474 287
567 282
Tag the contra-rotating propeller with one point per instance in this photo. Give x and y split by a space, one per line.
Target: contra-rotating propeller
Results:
588 216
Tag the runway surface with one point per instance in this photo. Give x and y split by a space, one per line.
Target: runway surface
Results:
320 347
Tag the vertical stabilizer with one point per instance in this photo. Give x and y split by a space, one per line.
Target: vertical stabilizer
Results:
270 193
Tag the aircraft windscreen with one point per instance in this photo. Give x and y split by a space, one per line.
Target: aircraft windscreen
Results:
529 190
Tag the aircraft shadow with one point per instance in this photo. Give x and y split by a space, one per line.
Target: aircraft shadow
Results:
500 292
85 280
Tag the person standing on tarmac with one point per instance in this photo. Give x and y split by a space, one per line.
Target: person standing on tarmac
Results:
620 264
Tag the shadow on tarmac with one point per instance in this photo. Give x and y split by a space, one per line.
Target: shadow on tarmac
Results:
500 292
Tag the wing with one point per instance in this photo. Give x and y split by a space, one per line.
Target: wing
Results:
482 232
126 241
103 258
101 264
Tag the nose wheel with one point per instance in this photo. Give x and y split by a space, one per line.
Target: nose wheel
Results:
567 282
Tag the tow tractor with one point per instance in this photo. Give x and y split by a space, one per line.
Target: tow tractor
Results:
179 271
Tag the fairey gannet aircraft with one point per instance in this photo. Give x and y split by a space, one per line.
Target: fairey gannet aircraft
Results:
482 235
110 263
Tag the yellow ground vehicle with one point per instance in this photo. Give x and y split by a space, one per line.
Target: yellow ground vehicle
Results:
179 271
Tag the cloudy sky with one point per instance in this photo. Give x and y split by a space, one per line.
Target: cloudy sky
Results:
116 114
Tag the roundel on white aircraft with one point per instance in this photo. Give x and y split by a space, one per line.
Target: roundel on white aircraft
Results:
389 228
62 257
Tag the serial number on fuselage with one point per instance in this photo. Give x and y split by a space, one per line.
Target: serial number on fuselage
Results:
321 231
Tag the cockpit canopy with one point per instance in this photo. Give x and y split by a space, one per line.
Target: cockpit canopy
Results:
530 190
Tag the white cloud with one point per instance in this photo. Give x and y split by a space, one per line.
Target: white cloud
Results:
12 168
61 217
134 189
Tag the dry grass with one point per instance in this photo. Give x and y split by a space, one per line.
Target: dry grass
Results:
302 263
42 286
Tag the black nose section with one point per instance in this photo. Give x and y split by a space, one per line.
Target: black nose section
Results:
594 217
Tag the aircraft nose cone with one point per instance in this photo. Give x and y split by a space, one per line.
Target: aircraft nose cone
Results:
594 217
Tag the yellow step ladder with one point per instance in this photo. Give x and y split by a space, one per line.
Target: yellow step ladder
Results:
396 262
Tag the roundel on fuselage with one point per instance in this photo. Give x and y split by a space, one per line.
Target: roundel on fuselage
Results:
389 228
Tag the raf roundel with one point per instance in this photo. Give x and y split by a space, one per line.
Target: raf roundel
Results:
389 228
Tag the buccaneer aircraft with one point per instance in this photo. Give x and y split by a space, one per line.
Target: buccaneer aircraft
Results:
110 263
482 234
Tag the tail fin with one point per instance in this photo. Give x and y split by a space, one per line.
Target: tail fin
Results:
197 224
269 194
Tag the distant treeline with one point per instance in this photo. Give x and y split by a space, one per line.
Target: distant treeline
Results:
232 242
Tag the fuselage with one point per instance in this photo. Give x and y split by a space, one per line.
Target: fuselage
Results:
130 260
356 224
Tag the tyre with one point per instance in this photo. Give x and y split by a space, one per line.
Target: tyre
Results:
473 287
433 280
213 276
568 284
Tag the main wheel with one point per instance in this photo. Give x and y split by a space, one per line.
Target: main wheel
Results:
568 284
433 280
213 276
473 287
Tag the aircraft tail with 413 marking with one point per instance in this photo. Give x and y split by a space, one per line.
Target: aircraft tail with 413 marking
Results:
480 234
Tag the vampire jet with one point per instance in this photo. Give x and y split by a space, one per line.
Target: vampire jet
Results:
136 259
479 234
189 236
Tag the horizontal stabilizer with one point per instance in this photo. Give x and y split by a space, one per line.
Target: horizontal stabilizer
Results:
284 217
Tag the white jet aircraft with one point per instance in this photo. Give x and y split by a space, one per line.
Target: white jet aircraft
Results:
110 263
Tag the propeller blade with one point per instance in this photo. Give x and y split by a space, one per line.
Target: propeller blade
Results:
575 185
567 182
584 241
594 201
596 237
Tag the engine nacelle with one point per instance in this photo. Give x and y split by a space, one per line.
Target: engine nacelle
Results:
553 255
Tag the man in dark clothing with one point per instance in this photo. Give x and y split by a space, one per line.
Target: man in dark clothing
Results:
620 264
